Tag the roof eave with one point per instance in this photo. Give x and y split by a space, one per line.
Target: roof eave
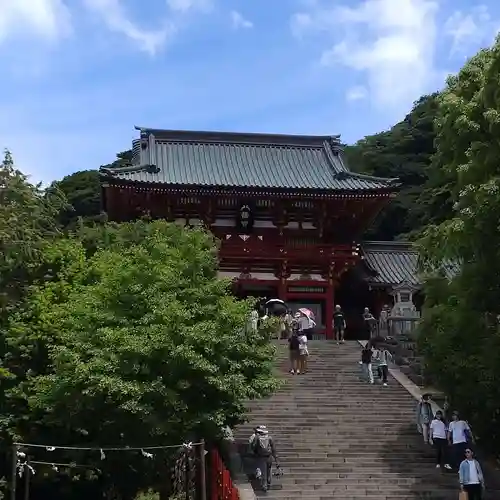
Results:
108 174
392 184
386 246
115 171
389 180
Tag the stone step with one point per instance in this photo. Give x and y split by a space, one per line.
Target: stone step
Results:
355 477
339 437
361 490
314 495
314 432
361 495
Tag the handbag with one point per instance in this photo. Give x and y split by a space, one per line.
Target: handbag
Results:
463 495
468 434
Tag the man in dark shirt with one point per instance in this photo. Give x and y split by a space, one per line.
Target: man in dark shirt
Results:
339 324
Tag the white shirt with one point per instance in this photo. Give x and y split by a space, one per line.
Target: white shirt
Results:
473 475
457 429
383 356
438 429
303 323
303 344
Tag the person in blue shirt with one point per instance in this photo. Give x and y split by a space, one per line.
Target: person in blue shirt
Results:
471 476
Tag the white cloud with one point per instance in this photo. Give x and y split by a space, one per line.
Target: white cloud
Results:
357 93
302 22
391 42
46 19
468 29
239 21
188 5
115 17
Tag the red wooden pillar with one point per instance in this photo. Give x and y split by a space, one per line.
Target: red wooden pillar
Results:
378 302
329 305
282 289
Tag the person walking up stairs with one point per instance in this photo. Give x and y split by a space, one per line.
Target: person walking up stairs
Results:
342 438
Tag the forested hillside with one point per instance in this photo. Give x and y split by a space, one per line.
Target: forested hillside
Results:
405 151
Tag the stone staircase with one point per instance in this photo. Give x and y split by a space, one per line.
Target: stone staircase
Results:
339 437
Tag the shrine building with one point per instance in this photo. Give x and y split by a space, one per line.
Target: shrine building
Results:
288 212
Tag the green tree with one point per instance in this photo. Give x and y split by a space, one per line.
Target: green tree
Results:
461 329
142 345
405 152
27 224
27 220
83 193
123 159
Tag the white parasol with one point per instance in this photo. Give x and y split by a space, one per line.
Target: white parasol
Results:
271 302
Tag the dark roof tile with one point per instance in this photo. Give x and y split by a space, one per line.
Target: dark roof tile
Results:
243 160
392 263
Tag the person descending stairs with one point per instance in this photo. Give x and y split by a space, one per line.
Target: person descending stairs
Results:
339 437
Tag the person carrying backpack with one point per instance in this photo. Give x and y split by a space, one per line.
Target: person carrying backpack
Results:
262 448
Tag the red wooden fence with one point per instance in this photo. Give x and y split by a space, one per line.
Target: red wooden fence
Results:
221 484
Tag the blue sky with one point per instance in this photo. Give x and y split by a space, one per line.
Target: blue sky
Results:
77 75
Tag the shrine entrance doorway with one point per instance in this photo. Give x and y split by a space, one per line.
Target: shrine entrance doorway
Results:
258 289
353 295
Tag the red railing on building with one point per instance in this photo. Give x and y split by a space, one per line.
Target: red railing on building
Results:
221 484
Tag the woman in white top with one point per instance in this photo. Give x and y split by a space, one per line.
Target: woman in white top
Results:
458 434
471 476
303 353
438 432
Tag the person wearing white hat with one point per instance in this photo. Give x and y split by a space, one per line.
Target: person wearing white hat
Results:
262 447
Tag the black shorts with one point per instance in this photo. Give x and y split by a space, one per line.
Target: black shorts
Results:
308 333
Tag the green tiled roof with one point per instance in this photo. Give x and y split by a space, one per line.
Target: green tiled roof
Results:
222 159
392 263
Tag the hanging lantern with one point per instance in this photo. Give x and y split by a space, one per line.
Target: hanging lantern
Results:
245 218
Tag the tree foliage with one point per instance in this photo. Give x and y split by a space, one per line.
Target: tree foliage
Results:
27 226
405 152
83 194
461 329
27 222
118 334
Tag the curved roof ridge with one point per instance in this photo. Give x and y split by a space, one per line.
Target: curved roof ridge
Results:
270 139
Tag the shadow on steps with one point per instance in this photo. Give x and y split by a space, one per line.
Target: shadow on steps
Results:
445 478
